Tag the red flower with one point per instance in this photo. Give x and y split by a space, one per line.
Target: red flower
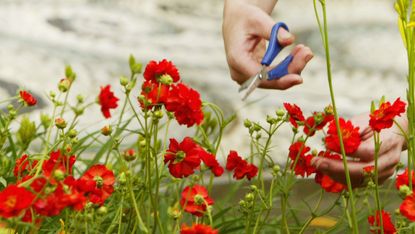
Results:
195 200
407 207
154 70
327 183
97 183
198 229
210 161
186 105
350 135
27 98
23 165
107 100
369 169
154 94
303 163
382 118
402 179
182 158
316 122
13 200
242 167
388 227
295 114
56 162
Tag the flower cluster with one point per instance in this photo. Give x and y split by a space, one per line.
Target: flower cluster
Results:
45 188
240 166
185 157
382 118
161 87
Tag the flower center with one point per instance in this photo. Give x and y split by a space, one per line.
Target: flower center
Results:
99 181
11 202
199 200
180 155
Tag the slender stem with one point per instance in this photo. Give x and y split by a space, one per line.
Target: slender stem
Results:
336 117
378 206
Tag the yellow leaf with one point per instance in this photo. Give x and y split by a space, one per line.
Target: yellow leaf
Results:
323 222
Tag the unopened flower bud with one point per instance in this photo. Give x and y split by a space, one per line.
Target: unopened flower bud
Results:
72 133
258 136
242 203
142 143
103 210
68 149
106 130
249 197
80 98
328 110
45 120
52 94
158 114
404 191
270 120
122 179
314 152
64 85
174 212
10 107
129 155
276 168
99 181
280 112
59 175
74 141
124 80
166 79
60 123
12 114
247 123
257 127
253 188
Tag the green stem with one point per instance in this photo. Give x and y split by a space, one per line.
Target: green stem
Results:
378 206
336 117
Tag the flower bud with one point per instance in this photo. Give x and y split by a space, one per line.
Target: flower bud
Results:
280 112
122 179
12 114
404 191
124 80
80 98
103 210
249 197
270 120
314 152
253 188
52 94
60 123
45 120
199 200
72 133
174 212
64 85
59 175
247 123
158 114
166 79
10 107
26 132
129 155
142 143
257 127
276 168
106 130
242 203
328 110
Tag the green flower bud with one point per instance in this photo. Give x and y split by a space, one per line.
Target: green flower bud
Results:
72 133
12 114
45 120
249 197
124 80
136 69
122 179
26 132
270 120
404 191
257 127
59 175
199 199
174 212
247 123
158 114
129 155
80 98
280 112
276 168
253 188
52 94
103 210
142 143
64 85
60 123
10 107
242 203
99 181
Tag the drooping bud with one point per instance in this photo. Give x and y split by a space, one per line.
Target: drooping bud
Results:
64 85
106 130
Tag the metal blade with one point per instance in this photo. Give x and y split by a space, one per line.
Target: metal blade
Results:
252 86
247 83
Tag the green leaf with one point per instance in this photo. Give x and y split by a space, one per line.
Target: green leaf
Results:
3 181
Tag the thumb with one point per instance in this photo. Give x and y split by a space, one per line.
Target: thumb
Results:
263 27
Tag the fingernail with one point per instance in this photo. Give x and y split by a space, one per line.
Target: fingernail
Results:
284 35
309 57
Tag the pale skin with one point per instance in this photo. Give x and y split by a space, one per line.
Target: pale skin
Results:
246 28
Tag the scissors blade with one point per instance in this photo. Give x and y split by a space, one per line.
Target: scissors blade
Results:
252 86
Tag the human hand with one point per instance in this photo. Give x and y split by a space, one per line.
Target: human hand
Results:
246 28
389 153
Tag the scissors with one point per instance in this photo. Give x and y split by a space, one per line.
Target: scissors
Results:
274 48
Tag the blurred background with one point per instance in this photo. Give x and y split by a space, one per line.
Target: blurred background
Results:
38 38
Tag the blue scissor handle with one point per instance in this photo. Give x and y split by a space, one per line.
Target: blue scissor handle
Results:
281 69
274 47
